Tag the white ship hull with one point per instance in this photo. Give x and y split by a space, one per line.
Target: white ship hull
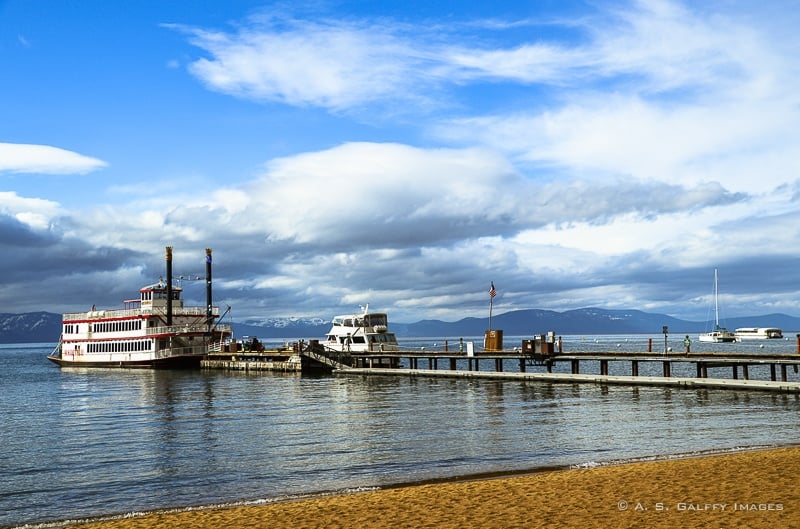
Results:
758 333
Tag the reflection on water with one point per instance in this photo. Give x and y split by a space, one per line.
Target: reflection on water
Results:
79 443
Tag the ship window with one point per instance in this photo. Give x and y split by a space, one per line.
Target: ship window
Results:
358 339
376 319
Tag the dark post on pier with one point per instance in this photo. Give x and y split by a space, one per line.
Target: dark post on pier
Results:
209 316
169 285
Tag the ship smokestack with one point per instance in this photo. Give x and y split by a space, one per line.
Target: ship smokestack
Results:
209 315
169 285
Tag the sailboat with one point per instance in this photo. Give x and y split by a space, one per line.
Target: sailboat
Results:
719 334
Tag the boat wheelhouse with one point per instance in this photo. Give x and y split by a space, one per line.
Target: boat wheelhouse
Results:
156 330
361 333
758 333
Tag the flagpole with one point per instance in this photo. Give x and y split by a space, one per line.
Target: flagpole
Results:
490 312
492 293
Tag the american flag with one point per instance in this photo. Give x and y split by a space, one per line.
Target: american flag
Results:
492 291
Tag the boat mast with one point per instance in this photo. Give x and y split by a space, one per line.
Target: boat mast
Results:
716 306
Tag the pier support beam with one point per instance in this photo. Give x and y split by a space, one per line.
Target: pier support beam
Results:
772 375
604 367
452 364
702 370
667 369
576 369
521 365
783 373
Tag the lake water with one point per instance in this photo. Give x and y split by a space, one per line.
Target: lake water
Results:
79 444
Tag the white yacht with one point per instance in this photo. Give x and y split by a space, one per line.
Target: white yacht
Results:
361 333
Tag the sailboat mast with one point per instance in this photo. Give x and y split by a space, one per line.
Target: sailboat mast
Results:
716 305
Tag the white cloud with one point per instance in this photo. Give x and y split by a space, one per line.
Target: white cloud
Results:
35 213
657 93
26 158
333 65
728 142
386 194
653 45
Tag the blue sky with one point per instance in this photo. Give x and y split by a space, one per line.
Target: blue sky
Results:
402 154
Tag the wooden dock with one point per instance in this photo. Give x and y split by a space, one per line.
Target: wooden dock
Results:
569 378
764 372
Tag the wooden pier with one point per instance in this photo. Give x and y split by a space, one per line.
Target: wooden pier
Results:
538 362
778 372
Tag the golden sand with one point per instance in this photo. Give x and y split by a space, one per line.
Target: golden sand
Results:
751 489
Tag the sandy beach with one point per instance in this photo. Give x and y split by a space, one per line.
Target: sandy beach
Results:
752 489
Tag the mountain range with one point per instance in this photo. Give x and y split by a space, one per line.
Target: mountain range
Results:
45 327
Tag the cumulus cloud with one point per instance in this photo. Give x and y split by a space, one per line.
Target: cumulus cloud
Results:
26 158
376 193
35 213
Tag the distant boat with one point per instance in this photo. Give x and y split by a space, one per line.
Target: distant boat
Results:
719 334
757 333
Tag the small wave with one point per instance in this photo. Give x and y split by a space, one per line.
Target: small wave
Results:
673 457
56 524
588 464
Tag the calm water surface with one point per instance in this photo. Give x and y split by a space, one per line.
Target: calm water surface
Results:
78 443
